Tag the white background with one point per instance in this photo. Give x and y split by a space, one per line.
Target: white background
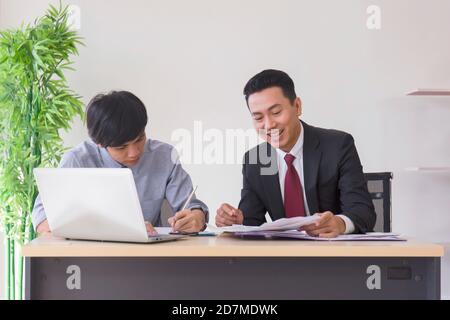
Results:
189 60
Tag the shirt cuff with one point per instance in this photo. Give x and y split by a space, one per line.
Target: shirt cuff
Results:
205 211
36 221
349 226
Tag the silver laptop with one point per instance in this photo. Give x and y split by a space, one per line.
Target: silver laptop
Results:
94 204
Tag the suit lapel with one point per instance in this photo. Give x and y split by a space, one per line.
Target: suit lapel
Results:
311 161
271 184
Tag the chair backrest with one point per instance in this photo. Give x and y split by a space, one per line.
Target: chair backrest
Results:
166 212
379 185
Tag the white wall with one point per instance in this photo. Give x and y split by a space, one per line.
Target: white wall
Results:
189 60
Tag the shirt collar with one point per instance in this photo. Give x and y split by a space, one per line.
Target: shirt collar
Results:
108 161
297 149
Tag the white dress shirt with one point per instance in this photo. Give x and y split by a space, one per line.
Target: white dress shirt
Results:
297 152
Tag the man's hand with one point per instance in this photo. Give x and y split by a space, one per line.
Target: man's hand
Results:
150 229
228 215
43 228
188 220
328 226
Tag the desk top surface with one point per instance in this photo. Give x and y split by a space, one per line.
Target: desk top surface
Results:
228 246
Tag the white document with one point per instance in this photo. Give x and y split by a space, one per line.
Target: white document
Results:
163 230
277 225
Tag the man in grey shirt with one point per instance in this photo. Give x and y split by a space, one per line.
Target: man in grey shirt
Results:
116 124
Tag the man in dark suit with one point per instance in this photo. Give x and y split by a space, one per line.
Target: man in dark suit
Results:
302 170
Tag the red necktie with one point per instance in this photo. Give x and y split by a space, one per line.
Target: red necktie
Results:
293 191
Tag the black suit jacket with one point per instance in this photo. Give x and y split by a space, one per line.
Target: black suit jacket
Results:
333 174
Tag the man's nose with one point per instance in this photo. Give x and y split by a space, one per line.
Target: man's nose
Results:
133 152
269 124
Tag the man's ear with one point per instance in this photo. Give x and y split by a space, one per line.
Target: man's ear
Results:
298 106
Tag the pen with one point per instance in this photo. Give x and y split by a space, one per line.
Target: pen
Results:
189 198
184 207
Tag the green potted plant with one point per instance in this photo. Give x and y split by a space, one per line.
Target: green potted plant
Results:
35 103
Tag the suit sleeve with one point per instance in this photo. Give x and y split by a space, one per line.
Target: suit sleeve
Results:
251 205
354 195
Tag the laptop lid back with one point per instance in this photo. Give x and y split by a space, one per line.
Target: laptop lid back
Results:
92 203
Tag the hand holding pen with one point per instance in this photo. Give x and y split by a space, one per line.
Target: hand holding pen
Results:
187 220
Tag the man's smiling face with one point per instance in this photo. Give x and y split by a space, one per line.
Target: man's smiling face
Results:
275 117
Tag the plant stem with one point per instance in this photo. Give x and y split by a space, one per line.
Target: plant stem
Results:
20 277
12 288
7 263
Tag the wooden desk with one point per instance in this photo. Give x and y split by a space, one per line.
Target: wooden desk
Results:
228 268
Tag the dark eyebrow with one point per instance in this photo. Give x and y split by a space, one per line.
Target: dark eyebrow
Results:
271 107
140 136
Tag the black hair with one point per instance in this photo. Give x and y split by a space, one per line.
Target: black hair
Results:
115 118
271 78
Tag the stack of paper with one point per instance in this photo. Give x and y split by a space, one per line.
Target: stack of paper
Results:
288 228
277 225
301 235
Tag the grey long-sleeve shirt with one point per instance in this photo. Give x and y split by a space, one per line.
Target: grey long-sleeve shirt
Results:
157 175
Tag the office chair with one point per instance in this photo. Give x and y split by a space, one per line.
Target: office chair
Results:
379 185
166 213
